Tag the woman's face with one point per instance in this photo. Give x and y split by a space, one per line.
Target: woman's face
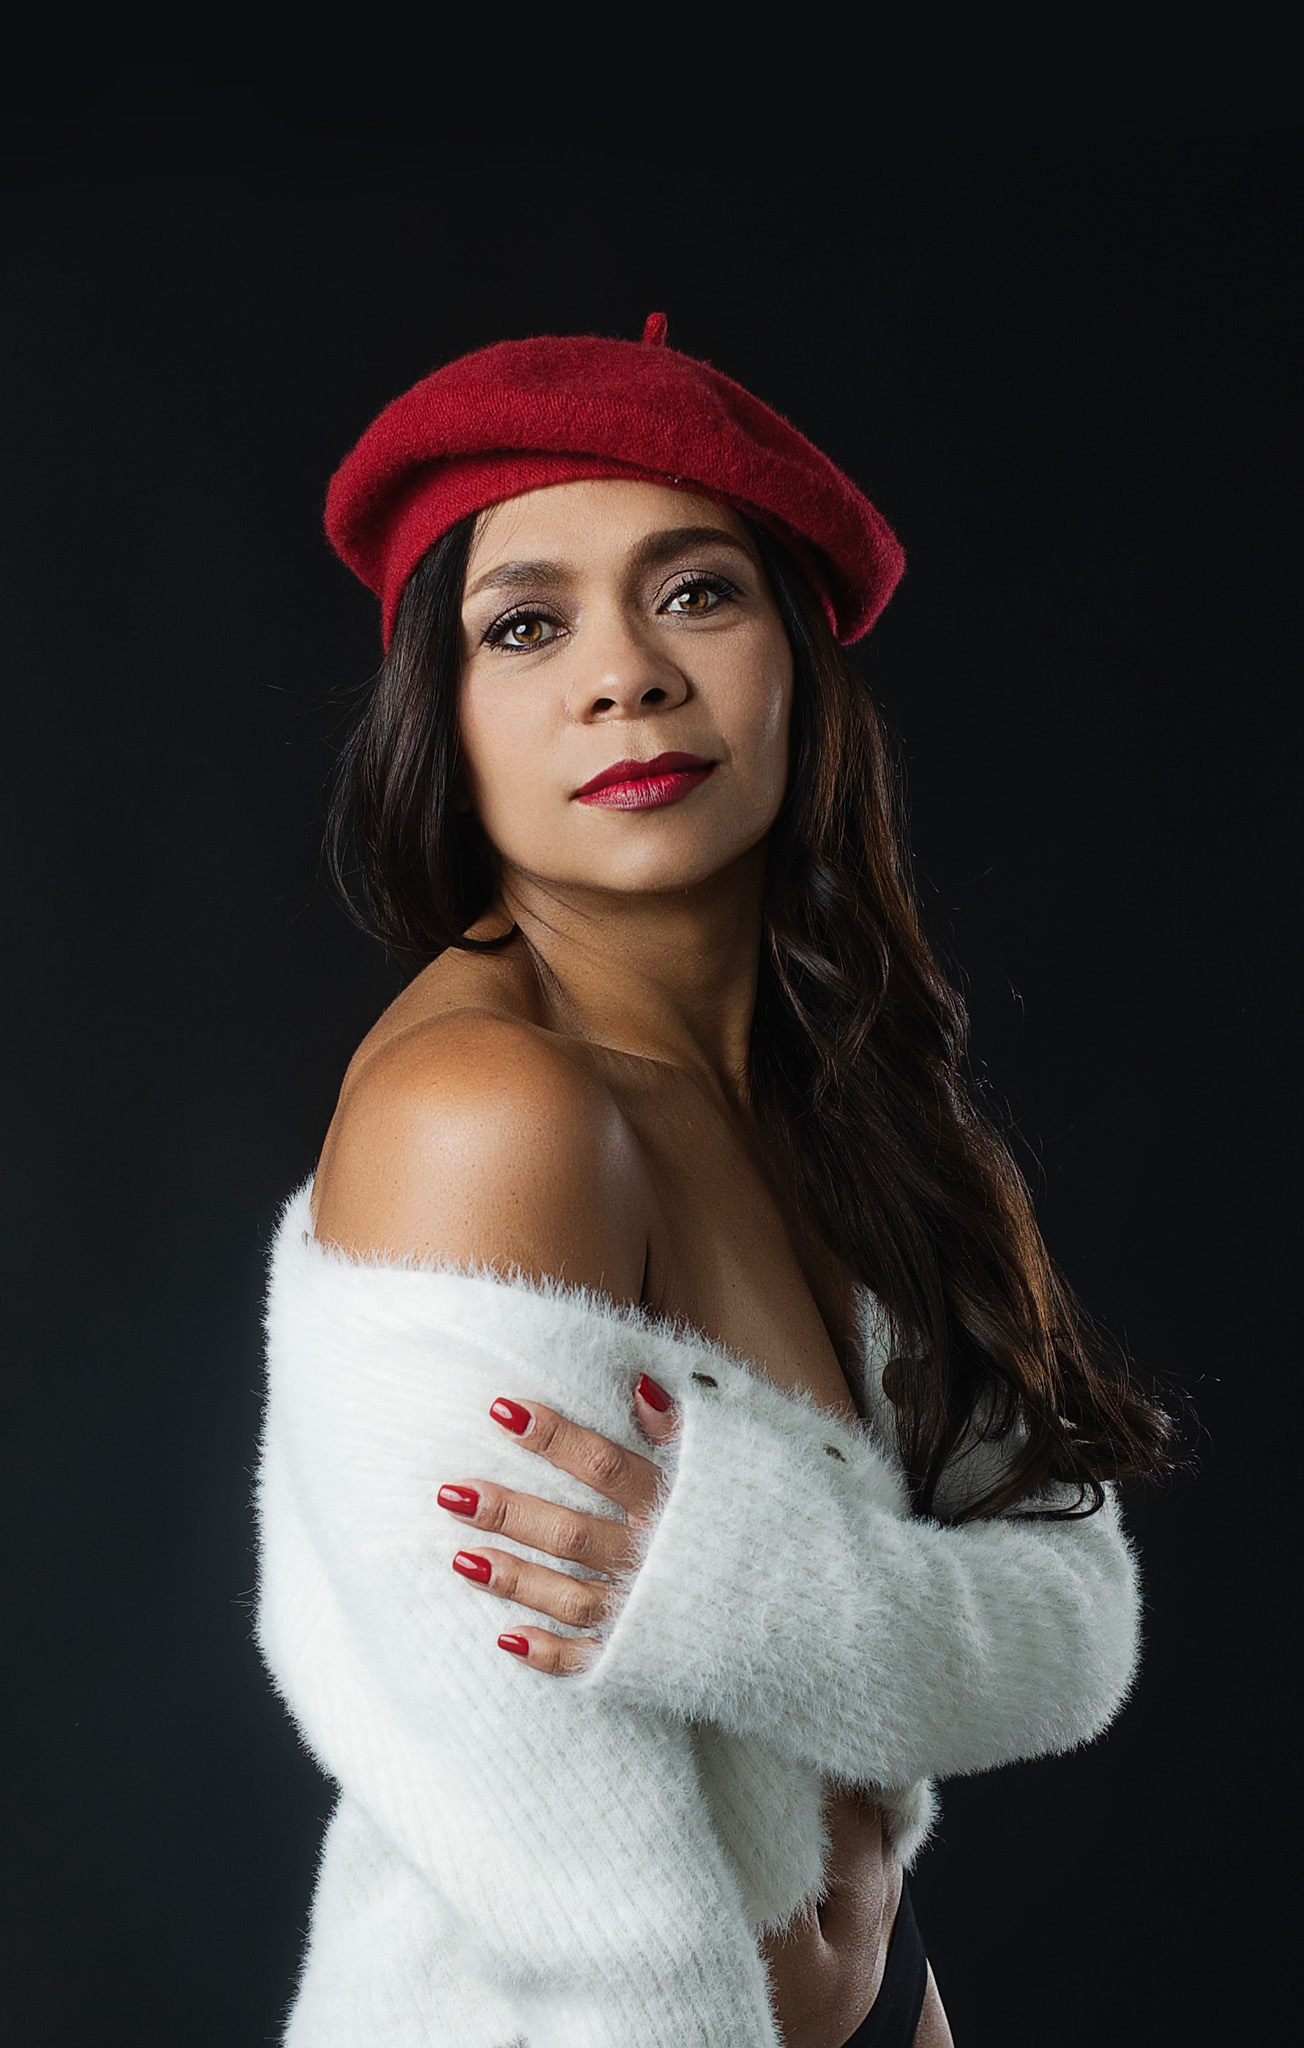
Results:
609 623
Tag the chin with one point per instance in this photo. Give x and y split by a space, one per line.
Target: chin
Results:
663 870
634 862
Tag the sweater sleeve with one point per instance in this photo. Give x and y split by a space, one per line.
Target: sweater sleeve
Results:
567 1837
784 1590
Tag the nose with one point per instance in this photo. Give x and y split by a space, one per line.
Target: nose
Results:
624 677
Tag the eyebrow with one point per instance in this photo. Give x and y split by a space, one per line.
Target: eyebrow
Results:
653 550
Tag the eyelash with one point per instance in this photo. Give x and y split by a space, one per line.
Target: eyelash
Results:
496 634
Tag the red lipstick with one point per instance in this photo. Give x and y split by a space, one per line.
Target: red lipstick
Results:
645 785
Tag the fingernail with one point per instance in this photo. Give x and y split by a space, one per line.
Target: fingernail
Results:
655 1396
516 1644
512 1416
460 1500
471 1567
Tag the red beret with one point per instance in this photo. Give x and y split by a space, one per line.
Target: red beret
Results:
557 408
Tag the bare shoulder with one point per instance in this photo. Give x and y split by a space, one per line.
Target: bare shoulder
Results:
476 1137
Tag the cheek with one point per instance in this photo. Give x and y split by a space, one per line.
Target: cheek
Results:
760 710
497 738
493 758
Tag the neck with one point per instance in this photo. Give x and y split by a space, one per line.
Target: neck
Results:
666 977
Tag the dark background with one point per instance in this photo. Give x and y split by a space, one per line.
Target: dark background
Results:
1058 351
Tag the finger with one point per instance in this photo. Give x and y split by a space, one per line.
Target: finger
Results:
598 1542
623 1476
554 1655
580 1603
656 1410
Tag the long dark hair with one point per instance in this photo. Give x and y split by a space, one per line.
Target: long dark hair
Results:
857 1069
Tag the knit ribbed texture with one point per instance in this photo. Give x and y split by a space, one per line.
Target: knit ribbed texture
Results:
588 1862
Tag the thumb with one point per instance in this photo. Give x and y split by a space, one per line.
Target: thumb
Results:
656 1410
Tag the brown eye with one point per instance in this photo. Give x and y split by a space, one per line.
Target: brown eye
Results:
698 599
522 632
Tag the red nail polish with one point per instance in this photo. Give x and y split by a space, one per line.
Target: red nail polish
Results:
461 1500
477 1568
655 1396
516 1644
512 1416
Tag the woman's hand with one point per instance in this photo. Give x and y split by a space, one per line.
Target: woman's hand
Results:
595 1541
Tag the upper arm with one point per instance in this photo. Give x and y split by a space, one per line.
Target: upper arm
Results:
476 1140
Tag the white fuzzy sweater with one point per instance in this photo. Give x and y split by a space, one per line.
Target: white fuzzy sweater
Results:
588 1862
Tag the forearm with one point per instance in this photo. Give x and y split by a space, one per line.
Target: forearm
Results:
848 1634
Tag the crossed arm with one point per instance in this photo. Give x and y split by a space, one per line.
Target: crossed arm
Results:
854 1638
870 1645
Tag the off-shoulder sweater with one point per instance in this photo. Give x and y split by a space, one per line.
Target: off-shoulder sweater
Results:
590 1861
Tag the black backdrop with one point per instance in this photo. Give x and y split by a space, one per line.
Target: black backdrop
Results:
1059 361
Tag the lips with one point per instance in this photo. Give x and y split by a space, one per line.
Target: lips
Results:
646 785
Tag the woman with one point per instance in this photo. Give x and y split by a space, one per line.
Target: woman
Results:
669 1125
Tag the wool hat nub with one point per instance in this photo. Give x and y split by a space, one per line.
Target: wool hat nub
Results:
522 415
